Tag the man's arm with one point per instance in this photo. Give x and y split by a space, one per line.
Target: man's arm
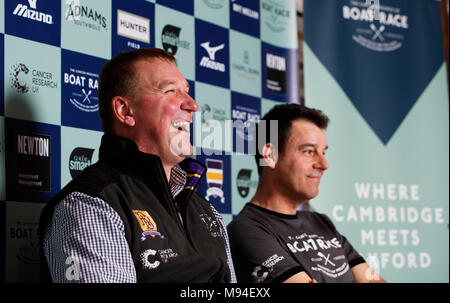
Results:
364 274
223 229
86 243
301 277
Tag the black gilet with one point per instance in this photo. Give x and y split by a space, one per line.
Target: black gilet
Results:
164 248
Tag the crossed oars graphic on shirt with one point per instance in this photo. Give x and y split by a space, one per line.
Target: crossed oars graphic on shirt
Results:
327 258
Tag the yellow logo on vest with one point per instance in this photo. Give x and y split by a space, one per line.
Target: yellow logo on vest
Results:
147 224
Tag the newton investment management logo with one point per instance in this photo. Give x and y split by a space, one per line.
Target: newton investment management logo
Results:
31 12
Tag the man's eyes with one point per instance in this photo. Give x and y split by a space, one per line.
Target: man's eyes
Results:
308 151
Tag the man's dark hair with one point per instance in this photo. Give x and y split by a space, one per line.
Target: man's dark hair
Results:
118 77
285 114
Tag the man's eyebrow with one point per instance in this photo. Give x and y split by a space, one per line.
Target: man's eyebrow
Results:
171 82
310 145
166 83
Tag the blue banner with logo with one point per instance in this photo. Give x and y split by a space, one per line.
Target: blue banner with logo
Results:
377 69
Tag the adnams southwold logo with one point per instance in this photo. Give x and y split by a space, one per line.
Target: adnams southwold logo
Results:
378 28
85 16
31 12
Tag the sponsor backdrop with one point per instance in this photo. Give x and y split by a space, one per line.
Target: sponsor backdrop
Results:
379 73
239 56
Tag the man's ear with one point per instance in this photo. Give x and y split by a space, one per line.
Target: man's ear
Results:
122 111
269 155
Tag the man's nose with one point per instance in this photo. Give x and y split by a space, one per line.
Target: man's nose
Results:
322 162
189 103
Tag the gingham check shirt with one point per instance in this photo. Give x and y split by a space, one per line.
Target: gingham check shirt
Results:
86 242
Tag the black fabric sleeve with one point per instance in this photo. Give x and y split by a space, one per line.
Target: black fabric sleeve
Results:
287 274
258 255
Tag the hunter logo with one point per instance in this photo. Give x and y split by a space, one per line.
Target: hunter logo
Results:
380 30
31 13
133 26
276 73
33 161
80 158
84 16
170 38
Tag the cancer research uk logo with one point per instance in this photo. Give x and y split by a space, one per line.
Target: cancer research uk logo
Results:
25 80
378 28
79 90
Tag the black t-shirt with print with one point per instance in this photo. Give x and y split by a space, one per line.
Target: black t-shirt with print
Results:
270 247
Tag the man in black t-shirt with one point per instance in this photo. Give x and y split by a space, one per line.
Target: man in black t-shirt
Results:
270 240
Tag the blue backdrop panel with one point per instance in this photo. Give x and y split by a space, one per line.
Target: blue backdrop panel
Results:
51 54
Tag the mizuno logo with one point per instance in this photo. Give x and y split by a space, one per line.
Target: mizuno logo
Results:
210 62
30 13
212 50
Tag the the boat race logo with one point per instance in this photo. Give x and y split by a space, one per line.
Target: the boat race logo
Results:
377 27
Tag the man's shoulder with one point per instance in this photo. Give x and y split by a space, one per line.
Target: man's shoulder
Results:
317 219
91 180
247 219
